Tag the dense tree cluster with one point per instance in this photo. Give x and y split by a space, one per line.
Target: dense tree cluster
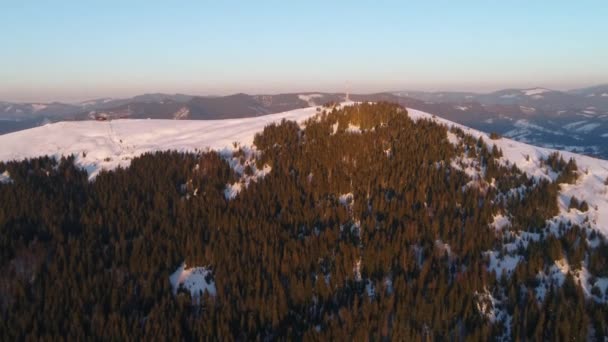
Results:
364 228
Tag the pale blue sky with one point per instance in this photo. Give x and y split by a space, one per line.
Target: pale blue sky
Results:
70 50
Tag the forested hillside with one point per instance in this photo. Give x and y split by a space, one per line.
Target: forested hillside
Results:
361 223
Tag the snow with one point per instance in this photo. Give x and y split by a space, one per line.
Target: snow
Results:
502 263
239 162
573 125
334 128
309 98
36 107
525 124
535 91
182 113
588 282
462 108
346 199
114 143
556 275
193 280
96 101
604 95
527 110
5 177
110 144
588 116
495 311
588 127
353 128
232 190
500 222
589 186
582 126
453 139
605 135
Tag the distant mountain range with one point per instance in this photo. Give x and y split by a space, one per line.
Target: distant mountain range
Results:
575 120
540 98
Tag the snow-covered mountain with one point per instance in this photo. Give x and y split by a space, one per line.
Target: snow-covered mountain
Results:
575 121
99 145
106 145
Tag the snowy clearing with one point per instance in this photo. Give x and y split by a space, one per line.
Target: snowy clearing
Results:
196 280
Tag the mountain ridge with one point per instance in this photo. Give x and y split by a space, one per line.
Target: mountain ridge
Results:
516 220
536 115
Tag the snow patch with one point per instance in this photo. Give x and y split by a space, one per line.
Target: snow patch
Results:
573 125
500 222
453 139
495 311
502 263
182 113
5 177
525 124
243 162
196 280
309 98
36 107
527 110
588 127
232 190
535 91
353 128
347 199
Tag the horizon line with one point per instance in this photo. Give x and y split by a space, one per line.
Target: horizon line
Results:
194 94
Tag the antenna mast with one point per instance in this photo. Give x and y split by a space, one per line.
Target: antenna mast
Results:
347 92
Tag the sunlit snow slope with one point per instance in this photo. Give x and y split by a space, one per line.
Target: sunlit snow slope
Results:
101 145
590 185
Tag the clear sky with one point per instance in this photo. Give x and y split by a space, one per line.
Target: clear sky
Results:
72 50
